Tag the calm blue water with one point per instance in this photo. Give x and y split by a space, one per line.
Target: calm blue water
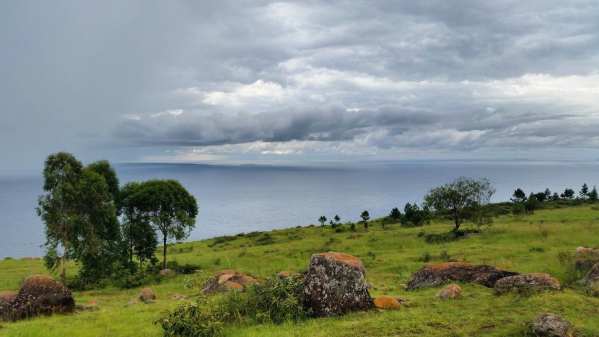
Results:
234 199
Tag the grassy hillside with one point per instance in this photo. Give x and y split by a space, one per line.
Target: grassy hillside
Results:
526 244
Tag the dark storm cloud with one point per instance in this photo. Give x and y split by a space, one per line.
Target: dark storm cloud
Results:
364 75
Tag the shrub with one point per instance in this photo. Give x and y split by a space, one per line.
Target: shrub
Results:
185 269
191 320
264 239
276 301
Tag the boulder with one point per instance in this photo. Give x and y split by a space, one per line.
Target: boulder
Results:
585 258
550 325
147 295
40 295
228 280
527 283
7 297
591 280
451 291
387 303
433 275
335 284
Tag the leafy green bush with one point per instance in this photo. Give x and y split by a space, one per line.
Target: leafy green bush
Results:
264 239
191 320
276 300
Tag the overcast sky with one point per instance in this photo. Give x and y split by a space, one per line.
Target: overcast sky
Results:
260 81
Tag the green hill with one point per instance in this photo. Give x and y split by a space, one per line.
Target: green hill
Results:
535 243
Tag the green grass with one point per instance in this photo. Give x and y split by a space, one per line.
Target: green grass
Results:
526 244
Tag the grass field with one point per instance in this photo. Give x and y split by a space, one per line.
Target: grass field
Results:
526 244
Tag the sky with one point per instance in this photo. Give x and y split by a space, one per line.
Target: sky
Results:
299 81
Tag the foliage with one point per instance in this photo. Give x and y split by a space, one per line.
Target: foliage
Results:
414 216
365 217
518 196
322 220
191 320
460 199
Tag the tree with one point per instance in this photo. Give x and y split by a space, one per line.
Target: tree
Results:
104 169
56 206
547 194
555 196
568 194
169 208
593 194
322 220
459 198
395 214
518 196
531 204
584 192
413 215
365 217
138 235
540 196
337 219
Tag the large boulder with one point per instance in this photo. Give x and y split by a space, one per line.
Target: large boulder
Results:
550 325
40 295
228 280
335 284
433 275
527 283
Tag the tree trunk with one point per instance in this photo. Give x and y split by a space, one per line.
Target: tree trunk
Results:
164 252
63 273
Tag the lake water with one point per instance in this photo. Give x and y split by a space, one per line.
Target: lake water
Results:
234 199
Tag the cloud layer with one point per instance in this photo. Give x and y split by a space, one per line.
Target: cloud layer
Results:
386 78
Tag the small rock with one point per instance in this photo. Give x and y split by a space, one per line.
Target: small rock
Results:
387 303
167 272
284 274
433 275
178 297
451 291
525 283
335 284
147 295
228 280
550 325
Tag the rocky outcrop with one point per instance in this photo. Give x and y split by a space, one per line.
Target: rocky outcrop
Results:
550 325
147 295
591 280
433 275
228 280
387 303
40 295
527 283
586 258
450 292
335 284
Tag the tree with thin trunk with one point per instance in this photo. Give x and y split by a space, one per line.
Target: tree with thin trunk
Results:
322 220
460 198
365 217
170 208
58 207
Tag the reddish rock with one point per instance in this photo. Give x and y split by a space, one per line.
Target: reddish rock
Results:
526 283
147 295
335 284
433 275
228 280
451 291
387 303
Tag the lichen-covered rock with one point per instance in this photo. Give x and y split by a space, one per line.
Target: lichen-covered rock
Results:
6 299
451 291
228 280
387 303
40 295
433 275
586 258
335 284
527 283
147 295
550 325
591 280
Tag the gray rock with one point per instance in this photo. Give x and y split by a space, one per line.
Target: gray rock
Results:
335 284
591 280
527 283
550 325
433 275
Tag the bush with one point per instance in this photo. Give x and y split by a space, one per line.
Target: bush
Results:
191 320
264 239
275 301
185 269
449 236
